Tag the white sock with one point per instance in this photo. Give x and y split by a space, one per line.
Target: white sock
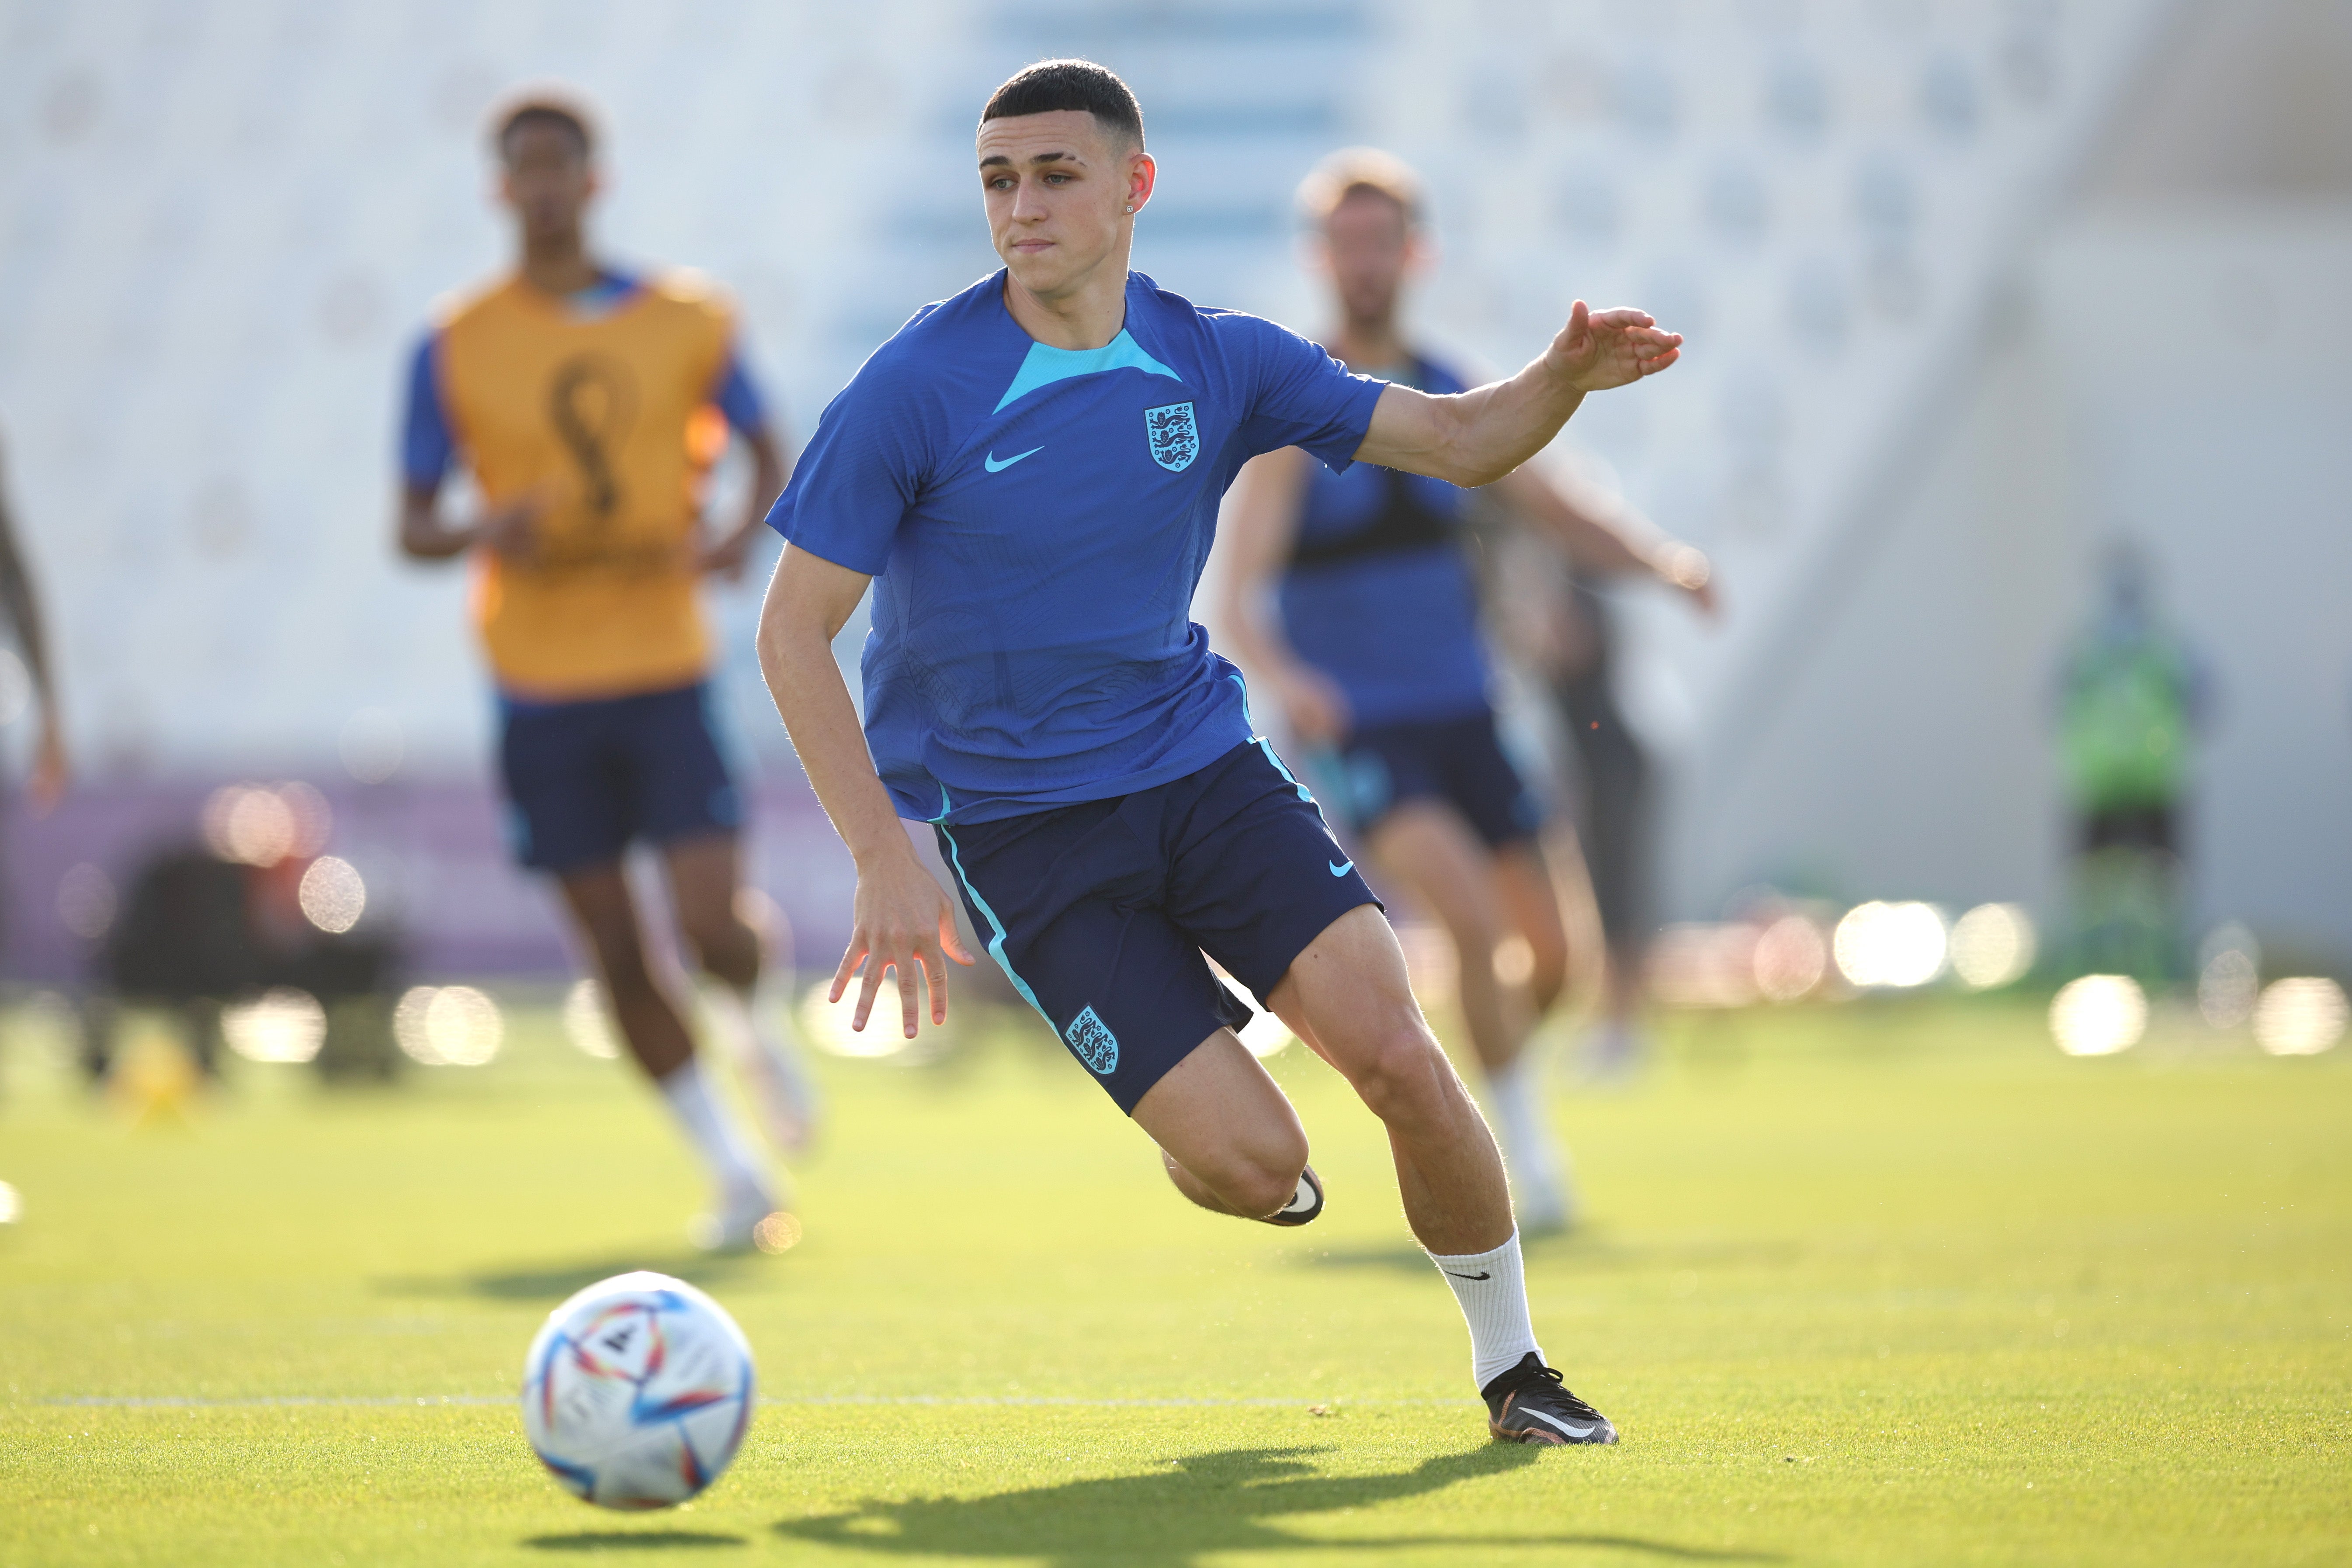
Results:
1493 1290
1514 1091
765 1051
712 1131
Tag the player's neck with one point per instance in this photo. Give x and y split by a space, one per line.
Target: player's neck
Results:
558 267
1088 314
1369 345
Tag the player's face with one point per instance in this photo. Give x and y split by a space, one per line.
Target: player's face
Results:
547 179
1058 191
1369 247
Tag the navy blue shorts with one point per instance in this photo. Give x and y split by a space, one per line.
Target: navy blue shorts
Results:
1458 761
583 778
1100 912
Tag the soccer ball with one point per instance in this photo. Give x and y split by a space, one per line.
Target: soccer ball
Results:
637 1390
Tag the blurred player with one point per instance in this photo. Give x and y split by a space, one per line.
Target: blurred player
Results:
1377 658
1028 475
20 615
589 403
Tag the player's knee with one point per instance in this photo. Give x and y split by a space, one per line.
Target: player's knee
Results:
1401 1074
1265 1178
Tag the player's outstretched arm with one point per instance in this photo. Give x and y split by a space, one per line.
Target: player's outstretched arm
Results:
1602 534
902 917
1476 437
770 469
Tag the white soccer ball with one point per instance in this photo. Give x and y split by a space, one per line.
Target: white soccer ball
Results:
637 1392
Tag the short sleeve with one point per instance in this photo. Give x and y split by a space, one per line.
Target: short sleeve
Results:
859 473
1301 396
426 448
738 395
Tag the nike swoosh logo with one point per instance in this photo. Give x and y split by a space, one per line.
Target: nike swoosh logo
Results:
993 466
1571 1431
1342 868
1466 1276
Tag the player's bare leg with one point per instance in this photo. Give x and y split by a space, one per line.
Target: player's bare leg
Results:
1347 996
706 888
1433 851
1532 900
1226 1133
650 1024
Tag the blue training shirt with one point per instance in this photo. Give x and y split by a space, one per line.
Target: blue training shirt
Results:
1389 613
1036 520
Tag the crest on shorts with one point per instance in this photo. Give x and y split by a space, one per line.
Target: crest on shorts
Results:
1093 1043
1175 439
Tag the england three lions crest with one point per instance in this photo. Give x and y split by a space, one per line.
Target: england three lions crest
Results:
1175 439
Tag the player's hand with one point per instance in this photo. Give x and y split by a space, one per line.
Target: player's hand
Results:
1314 707
902 920
1602 348
47 784
1687 568
511 532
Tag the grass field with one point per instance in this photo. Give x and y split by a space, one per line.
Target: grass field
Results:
1870 1284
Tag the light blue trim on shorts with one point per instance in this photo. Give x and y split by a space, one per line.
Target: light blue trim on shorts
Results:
996 943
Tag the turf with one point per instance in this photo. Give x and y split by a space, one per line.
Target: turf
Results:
1869 1284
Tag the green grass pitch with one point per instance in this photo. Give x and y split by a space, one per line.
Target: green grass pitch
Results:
1886 1284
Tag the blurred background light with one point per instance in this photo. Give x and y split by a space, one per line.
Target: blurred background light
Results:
2229 975
11 1206
2099 1015
1266 1035
1993 945
826 1025
86 902
1701 965
281 1025
1792 959
2300 1017
1898 946
332 896
448 1026
587 1025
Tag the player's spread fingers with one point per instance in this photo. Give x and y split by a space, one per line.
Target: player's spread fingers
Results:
935 974
866 991
846 968
906 966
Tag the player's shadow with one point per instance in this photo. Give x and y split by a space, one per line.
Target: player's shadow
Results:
1190 1508
553 1281
631 1540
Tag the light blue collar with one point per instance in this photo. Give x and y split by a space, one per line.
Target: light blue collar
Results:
1046 365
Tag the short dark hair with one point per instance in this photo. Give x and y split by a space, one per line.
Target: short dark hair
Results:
543 106
1051 85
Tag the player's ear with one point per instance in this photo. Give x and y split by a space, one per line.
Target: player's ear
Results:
1143 173
1420 252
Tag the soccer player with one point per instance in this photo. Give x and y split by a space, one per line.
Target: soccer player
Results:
20 614
589 402
1375 656
1028 474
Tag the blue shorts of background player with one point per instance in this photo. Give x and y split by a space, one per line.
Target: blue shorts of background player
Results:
1101 912
584 780
1456 761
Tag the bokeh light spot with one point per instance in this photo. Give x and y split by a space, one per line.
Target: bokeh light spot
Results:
1993 945
1892 944
825 1024
1792 959
282 1025
2300 1017
448 1026
12 1207
332 896
780 1233
2099 1015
